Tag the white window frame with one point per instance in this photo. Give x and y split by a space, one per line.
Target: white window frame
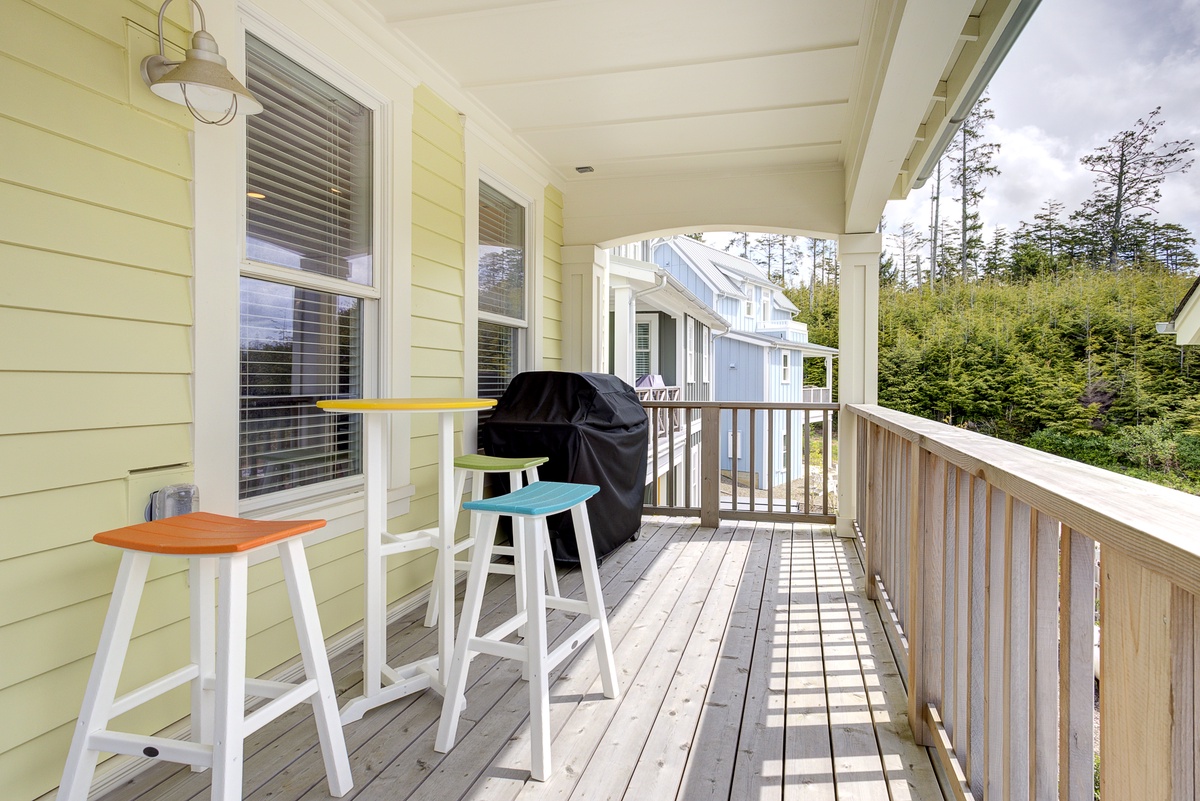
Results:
729 446
690 351
706 346
522 326
219 242
748 310
487 161
785 367
652 320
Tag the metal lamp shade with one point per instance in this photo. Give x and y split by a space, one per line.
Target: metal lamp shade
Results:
201 80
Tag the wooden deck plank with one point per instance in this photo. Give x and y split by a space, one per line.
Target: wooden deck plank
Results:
808 754
708 773
758 769
624 744
659 772
857 768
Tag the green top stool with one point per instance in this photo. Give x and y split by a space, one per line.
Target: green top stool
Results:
521 471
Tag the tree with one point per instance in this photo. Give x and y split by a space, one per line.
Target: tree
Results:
740 242
907 242
972 159
767 252
1130 169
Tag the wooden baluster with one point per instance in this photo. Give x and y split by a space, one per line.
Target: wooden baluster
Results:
1075 678
1017 588
976 766
1043 700
924 626
1136 743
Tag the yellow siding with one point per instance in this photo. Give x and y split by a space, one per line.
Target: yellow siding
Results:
552 284
438 276
95 270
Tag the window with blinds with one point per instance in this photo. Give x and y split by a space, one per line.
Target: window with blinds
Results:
502 295
308 171
641 349
309 180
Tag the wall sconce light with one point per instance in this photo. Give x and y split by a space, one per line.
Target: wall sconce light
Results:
201 81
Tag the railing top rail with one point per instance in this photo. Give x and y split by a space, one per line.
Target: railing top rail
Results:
657 404
1156 526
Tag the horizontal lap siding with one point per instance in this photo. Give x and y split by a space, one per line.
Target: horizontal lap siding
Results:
438 276
96 316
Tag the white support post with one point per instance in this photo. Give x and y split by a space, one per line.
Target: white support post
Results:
585 308
622 323
858 356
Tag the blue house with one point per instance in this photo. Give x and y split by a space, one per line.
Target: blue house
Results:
761 358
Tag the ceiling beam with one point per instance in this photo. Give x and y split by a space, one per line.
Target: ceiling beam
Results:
700 115
907 56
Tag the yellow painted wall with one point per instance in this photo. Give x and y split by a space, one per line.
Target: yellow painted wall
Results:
95 321
552 287
96 318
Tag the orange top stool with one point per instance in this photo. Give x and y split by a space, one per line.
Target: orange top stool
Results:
218 551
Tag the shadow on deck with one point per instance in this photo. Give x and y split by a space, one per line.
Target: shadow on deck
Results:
751 666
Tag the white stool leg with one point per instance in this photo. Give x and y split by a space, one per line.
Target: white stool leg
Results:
595 600
229 718
520 556
531 475
456 678
435 587
316 666
536 646
202 575
106 672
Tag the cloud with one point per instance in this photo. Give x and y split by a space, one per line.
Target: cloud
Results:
1082 71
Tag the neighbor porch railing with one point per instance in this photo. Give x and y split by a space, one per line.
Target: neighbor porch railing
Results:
734 460
981 555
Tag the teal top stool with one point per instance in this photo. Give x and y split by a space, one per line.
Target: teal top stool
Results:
528 508
478 465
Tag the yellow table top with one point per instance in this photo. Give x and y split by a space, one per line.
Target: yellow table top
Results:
407 404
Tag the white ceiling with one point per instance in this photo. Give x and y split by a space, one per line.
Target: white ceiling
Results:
668 100
638 87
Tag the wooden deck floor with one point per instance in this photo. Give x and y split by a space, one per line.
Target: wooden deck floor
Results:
751 667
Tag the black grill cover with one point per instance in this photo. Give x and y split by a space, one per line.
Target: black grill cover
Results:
595 431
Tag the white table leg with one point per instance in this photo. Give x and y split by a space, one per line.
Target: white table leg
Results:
375 581
446 525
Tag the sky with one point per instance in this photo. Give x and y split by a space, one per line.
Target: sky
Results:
1082 71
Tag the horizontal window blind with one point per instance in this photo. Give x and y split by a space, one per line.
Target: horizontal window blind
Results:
298 346
498 348
501 254
308 171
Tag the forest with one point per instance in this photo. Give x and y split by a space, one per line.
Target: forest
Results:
1045 336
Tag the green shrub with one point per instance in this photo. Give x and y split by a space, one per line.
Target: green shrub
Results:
1087 448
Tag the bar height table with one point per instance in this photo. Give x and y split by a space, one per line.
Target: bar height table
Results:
380 543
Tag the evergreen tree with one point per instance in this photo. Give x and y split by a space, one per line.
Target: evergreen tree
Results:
740 244
1130 169
972 159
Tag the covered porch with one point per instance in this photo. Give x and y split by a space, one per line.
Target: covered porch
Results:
752 663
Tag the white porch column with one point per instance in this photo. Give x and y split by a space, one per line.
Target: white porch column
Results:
585 308
858 357
622 327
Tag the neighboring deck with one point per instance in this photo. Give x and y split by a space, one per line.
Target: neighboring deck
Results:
751 666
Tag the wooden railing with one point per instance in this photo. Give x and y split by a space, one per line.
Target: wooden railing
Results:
980 554
781 468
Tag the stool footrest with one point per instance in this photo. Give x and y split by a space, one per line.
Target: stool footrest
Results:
409 541
117 742
576 639
504 650
507 627
278 705
150 691
572 605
